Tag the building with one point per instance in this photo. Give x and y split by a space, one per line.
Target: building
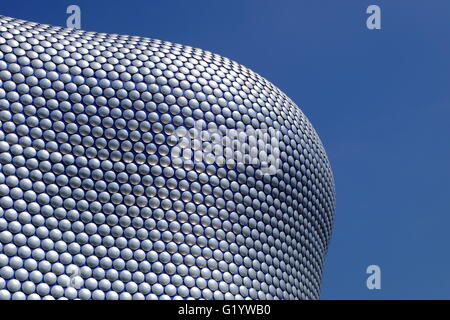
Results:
134 168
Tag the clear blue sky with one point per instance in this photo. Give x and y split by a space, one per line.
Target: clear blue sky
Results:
380 101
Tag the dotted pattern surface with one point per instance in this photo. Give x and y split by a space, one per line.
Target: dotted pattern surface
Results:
92 206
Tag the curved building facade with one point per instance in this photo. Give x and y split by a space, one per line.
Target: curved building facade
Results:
133 168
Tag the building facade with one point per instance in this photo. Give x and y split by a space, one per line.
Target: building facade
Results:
133 168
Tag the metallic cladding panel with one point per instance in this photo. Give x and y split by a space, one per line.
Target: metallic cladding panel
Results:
93 202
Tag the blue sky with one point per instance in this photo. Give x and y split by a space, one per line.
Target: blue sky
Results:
379 99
